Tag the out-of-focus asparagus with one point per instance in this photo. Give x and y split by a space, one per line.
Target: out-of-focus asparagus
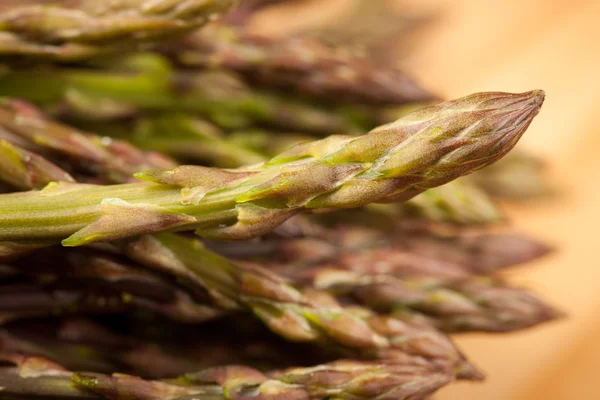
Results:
84 344
19 301
313 317
26 170
520 176
458 202
303 64
241 14
104 275
403 252
392 163
114 160
72 30
39 377
471 304
147 83
183 136
372 26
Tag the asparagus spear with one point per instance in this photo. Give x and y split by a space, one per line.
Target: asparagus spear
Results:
372 27
470 304
181 135
92 346
114 160
401 253
148 83
93 276
187 138
28 300
69 31
38 377
303 64
392 163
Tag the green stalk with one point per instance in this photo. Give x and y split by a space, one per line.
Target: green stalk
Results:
392 163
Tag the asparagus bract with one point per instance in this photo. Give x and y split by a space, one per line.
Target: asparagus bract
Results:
392 163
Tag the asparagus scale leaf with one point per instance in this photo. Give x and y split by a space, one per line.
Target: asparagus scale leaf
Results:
392 163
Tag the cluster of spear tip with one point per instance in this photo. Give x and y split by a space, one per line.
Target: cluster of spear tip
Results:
213 214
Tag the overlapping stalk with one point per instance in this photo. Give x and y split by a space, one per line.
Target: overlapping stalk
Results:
88 345
38 377
301 317
67 30
147 83
306 65
469 304
102 157
408 250
392 163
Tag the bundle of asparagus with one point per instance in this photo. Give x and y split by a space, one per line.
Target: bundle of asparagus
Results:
354 254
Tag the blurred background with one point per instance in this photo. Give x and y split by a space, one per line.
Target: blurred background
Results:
514 45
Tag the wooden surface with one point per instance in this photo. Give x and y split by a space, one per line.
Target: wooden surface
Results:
519 45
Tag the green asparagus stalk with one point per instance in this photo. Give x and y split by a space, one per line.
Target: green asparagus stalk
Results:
77 30
471 304
303 64
392 163
37 377
147 83
180 135
192 139
114 160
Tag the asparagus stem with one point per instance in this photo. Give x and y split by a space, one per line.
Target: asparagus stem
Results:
392 163
147 83
304 64
342 380
72 31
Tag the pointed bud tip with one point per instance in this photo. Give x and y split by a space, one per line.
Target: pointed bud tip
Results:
537 98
